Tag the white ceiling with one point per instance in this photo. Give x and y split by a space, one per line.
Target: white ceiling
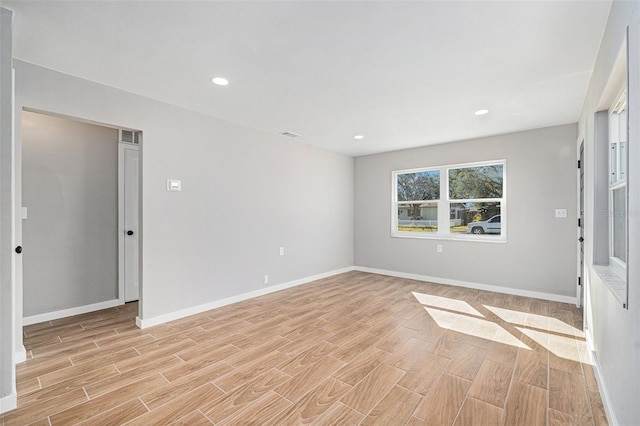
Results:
403 74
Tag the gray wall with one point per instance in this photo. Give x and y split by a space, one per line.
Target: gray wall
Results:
7 304
245 193
540 252
613 330
70 188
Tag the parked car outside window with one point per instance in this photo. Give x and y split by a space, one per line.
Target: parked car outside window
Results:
491 226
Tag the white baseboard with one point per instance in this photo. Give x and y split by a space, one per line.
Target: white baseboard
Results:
602 387
21 354
34 319
171 316
467 284
160 319
8 403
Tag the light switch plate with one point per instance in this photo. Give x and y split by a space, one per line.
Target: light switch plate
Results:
561 213
174 185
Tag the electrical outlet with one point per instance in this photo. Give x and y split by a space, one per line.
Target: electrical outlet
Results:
439 248
266 279
281 251
561 213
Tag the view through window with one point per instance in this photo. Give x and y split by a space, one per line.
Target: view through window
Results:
464 201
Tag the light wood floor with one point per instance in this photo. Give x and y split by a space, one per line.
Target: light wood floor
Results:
356 348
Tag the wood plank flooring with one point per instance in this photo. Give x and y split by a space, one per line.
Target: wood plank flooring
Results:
356 348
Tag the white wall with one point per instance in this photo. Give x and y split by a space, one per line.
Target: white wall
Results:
615 331
245 193
540 252
7 300
70 188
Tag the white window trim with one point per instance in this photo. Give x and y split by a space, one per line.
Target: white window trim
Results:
614 272
617 265
444 205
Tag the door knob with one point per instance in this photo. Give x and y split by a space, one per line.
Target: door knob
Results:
19 249
129 232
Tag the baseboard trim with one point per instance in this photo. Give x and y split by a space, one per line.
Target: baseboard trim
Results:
21 354
9 402
161 319
602 387
49 316
467 284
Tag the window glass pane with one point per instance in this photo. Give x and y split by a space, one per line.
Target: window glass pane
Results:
475 218
419 186
622 125
476 182
622 147
620 223
418 217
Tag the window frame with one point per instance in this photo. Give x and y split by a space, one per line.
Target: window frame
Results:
444 204
621 103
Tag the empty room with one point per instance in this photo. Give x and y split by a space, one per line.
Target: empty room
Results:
319 212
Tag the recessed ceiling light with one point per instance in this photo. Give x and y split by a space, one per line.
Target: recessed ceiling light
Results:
220 81
358 137
481 112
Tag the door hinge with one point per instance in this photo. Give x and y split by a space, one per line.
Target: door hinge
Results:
579 163
579 222
580 281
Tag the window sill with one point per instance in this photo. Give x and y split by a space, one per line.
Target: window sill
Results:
452 237
615 280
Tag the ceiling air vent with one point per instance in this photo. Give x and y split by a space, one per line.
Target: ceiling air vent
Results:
130 136
290 134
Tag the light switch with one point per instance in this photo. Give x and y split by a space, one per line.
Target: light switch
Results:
24 213
562 213
174 185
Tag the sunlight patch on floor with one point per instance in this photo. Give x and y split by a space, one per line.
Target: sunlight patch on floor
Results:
561 346
561 339
536 321
474 327
447 303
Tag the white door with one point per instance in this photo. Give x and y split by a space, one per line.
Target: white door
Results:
129 226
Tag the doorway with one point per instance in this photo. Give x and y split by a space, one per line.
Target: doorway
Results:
71 190
128 214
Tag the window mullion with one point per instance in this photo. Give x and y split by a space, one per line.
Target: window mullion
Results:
444 206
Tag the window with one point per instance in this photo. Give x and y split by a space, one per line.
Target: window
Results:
611 191
467 204
417 196
618 183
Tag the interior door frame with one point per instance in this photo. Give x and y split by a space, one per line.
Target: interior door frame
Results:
18 222
580 283
12 348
